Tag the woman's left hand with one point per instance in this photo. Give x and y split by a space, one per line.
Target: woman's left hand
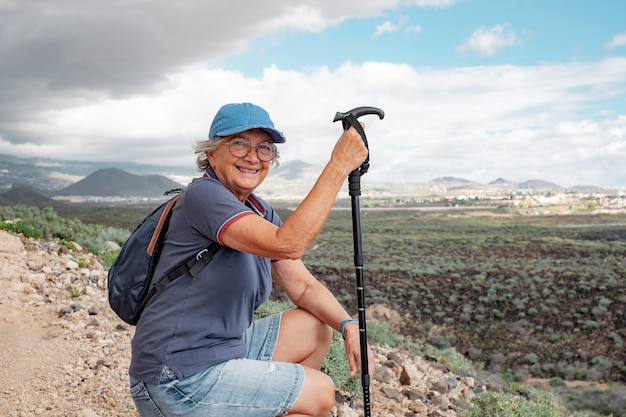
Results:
353 350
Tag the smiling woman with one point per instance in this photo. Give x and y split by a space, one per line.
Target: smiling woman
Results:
240 170
195 340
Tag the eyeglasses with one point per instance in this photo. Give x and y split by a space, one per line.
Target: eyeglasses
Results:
240 147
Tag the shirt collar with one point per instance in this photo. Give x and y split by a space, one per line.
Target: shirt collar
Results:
252 201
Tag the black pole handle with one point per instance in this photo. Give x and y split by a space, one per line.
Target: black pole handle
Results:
358 112
350 119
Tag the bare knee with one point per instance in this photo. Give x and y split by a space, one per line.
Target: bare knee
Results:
322 333
329 394
326 397
303 339
317 396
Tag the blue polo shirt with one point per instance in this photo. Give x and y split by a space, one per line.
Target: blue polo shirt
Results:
198 322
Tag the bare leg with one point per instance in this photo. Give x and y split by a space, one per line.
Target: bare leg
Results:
305 340
302 339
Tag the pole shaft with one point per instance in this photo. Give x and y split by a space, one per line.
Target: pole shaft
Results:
355 192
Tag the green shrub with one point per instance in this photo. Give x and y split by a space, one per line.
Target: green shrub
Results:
37 223
82 261
114 234
379 334
455 361
618 341
531 359
336 367
69 245
109 258
507 405
271 307
602 402
23 227
77 292
427 326
557 382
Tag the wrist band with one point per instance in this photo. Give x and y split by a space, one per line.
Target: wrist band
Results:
344 324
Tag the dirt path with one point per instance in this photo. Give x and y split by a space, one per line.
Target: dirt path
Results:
22 346
69 366
28 355
545 383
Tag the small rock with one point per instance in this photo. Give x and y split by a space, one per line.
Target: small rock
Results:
88 412
65 310
71 265
412 395
409 375
441 402
418 408
452 383
440 386
391 393
395 358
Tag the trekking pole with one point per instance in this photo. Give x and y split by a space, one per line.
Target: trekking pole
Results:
349 119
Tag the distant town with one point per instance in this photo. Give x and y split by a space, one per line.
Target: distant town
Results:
67 182
524 201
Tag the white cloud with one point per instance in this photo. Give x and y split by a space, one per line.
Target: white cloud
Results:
435 3
617 41
403 24
480 122
386 27
487 42
71 87
302 17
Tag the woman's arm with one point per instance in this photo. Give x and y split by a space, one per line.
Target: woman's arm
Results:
254 235
306 292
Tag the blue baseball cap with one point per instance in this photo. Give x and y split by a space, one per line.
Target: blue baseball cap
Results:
238 117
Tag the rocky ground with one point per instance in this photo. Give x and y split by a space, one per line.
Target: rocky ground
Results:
65 353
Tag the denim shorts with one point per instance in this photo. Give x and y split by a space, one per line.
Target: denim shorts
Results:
250 387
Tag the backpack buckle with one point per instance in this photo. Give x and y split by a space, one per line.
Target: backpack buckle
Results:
201 254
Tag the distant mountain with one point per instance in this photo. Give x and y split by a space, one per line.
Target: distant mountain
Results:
27 196
114 182
453 180
296 170
50 175
458 184
454 183
586 189
539 185
5 201
502 183
291 179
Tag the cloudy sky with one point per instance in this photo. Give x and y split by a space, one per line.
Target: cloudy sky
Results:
479 89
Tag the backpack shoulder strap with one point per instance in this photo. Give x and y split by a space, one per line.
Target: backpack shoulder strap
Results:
158 230
193 266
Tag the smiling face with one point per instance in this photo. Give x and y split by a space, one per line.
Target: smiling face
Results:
241 175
